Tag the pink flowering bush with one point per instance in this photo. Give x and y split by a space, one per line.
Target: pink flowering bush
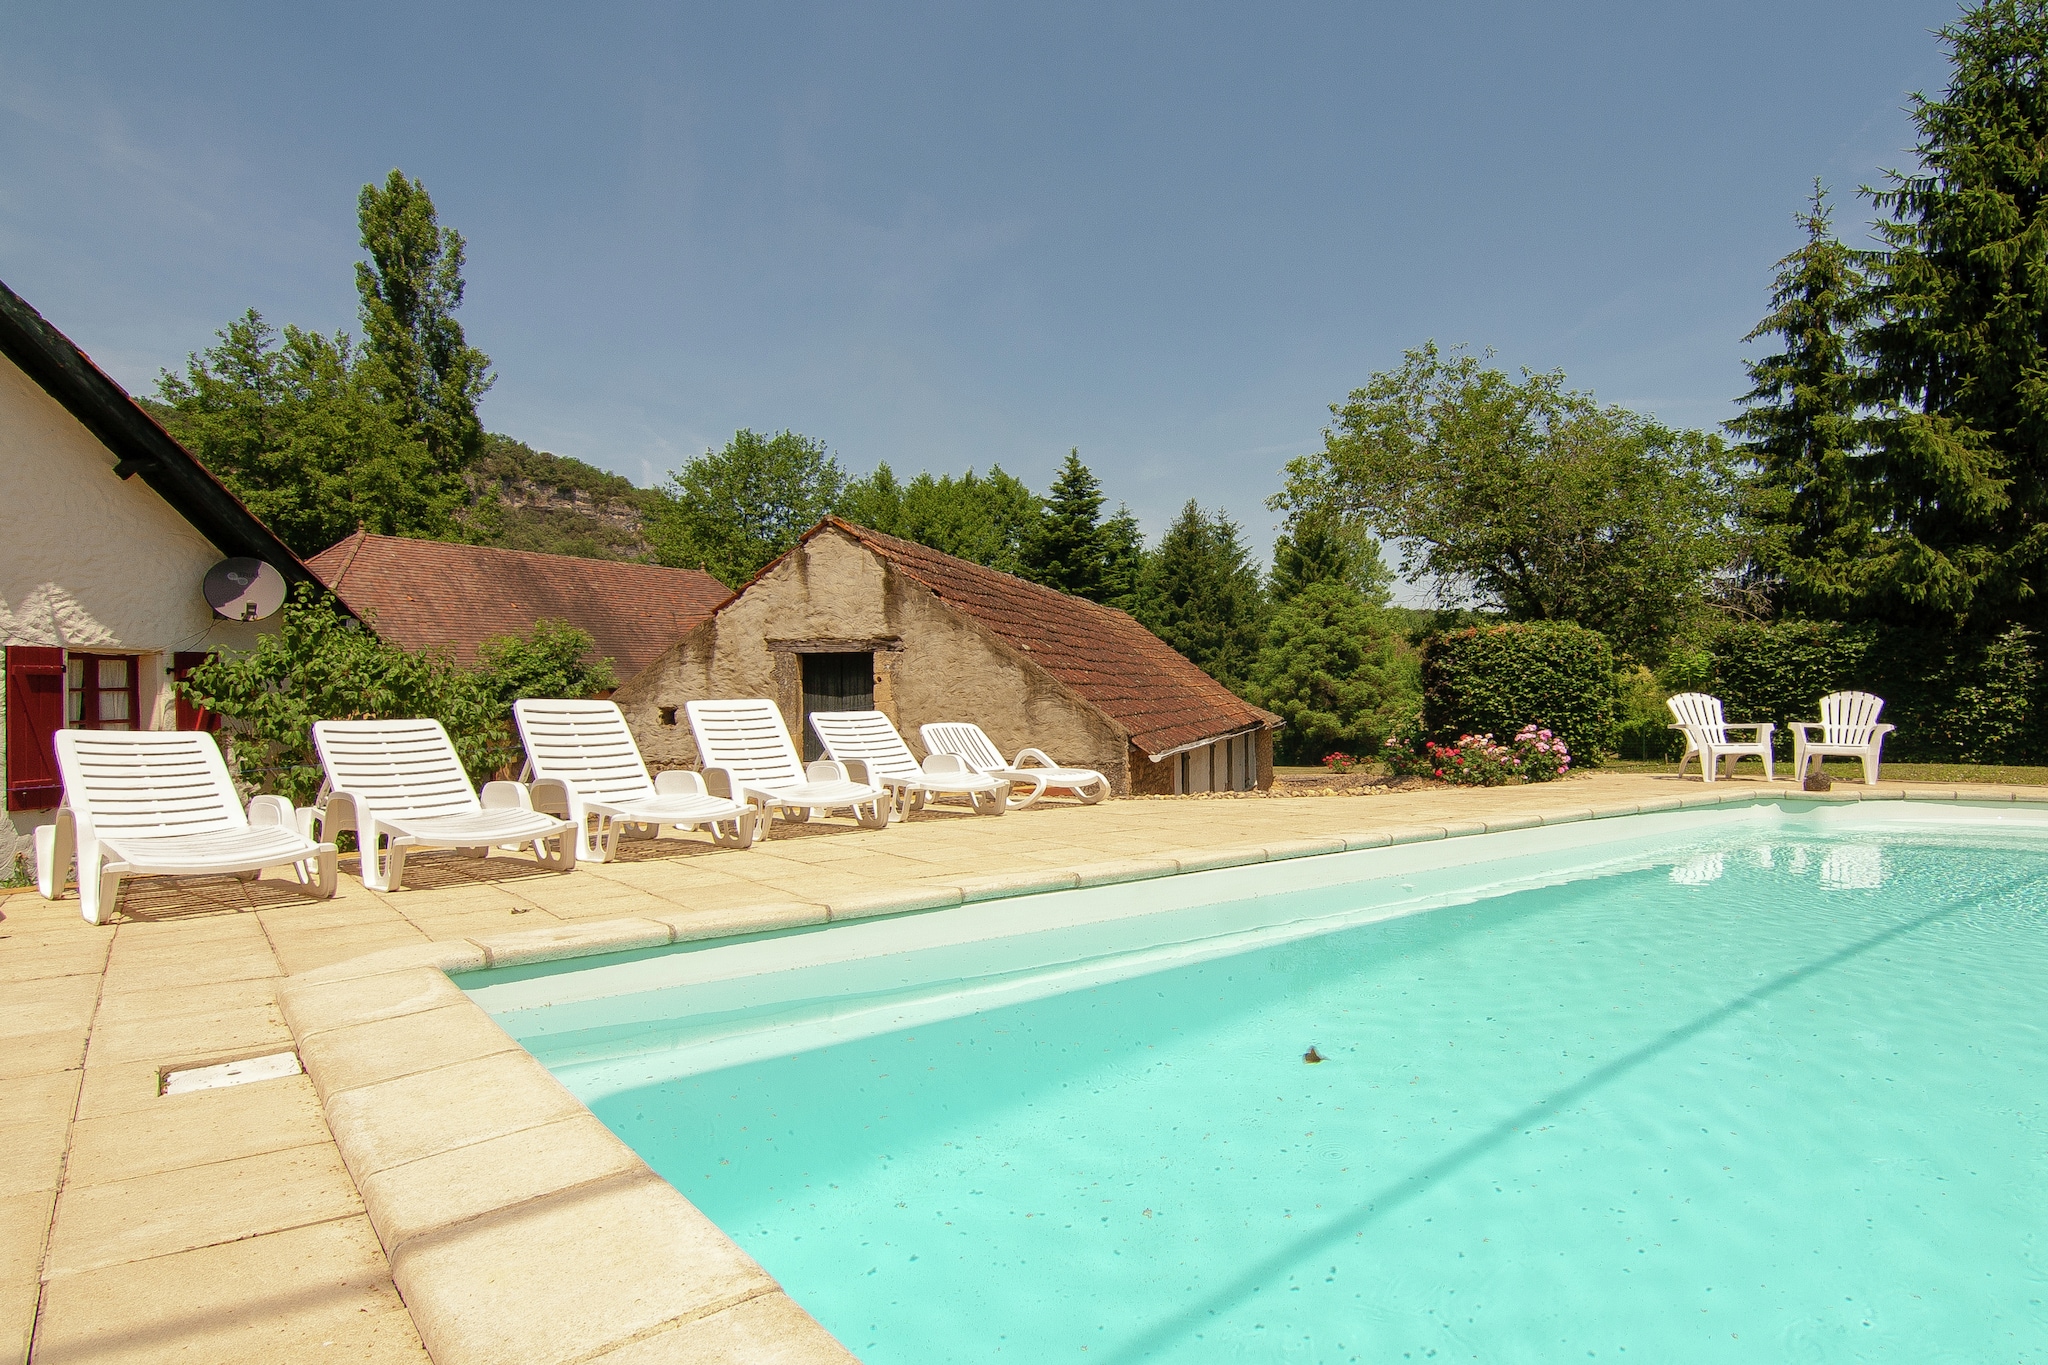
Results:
1533 755
1341 762
1541 755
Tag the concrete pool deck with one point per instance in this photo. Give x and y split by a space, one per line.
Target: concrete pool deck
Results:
424 1152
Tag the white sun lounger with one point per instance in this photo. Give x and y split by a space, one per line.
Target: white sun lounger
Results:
149 803
1848 729
1032 767
586 746
400 786
1706 735
747 741
869 739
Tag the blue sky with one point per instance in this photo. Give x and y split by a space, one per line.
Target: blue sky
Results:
1170 235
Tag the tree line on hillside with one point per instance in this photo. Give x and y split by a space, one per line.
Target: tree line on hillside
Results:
1886 475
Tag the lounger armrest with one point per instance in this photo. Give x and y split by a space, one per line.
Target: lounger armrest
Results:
718 781
272 810
833 770
946 763
1044 759
500 795
549 795
1879 731
1762 727
679 782
1800 727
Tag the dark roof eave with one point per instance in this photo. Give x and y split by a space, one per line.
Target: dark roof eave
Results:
139 445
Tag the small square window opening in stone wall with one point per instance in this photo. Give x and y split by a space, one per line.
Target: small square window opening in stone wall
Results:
668 715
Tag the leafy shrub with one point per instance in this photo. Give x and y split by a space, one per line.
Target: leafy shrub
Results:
1496 679
1969 699
1642 728
319 665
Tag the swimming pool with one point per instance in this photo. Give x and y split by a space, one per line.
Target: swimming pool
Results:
1754 1083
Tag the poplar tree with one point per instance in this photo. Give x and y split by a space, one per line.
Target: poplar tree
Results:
1804 429
1959 348
409 290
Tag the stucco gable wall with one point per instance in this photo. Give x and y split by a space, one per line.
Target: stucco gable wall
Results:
834 589
90 560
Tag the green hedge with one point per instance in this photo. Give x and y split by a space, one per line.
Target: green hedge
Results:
1954 699
1496 679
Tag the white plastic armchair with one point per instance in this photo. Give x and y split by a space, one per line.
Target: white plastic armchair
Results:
746 743
1032 767
160 803
400 786
587 748
1706 735
869 739
1848 729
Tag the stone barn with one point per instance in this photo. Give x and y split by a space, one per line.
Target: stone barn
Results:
854 620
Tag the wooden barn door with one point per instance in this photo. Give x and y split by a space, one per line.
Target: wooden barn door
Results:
835 682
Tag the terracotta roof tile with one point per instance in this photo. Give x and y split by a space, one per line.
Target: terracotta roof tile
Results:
425 594
1137 679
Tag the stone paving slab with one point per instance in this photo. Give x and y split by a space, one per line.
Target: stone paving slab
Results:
226 1225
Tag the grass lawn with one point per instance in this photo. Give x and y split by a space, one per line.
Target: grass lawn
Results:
1850 771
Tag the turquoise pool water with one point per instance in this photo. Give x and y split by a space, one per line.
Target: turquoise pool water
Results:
1762 1087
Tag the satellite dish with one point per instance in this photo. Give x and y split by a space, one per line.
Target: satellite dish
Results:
244 589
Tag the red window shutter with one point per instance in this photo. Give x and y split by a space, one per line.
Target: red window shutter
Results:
35 713
191 716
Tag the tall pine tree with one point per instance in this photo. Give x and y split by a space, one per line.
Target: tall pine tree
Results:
1202 596
1804 428
1066 548
1959 350
1316 548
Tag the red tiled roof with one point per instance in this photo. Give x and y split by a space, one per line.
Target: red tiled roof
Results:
425 594
1133 676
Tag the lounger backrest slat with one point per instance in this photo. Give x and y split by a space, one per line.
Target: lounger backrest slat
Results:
747 736
865 737
966 740
585 744
147 783
1698 711
395 767
1847 718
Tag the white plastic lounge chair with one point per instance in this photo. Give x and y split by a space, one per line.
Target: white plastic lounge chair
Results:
747 741
1032 767
1848 729
148 803
869 739
1706 734
586 746
399 785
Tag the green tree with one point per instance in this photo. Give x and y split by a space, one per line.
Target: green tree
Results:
1066 549
1316 548
1804 428
295 429
1959 346
1124 560
983 518
1529 496
1333 669
409 290
731 511
1201 594
319 434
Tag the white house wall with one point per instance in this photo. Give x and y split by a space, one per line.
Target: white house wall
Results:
93 562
